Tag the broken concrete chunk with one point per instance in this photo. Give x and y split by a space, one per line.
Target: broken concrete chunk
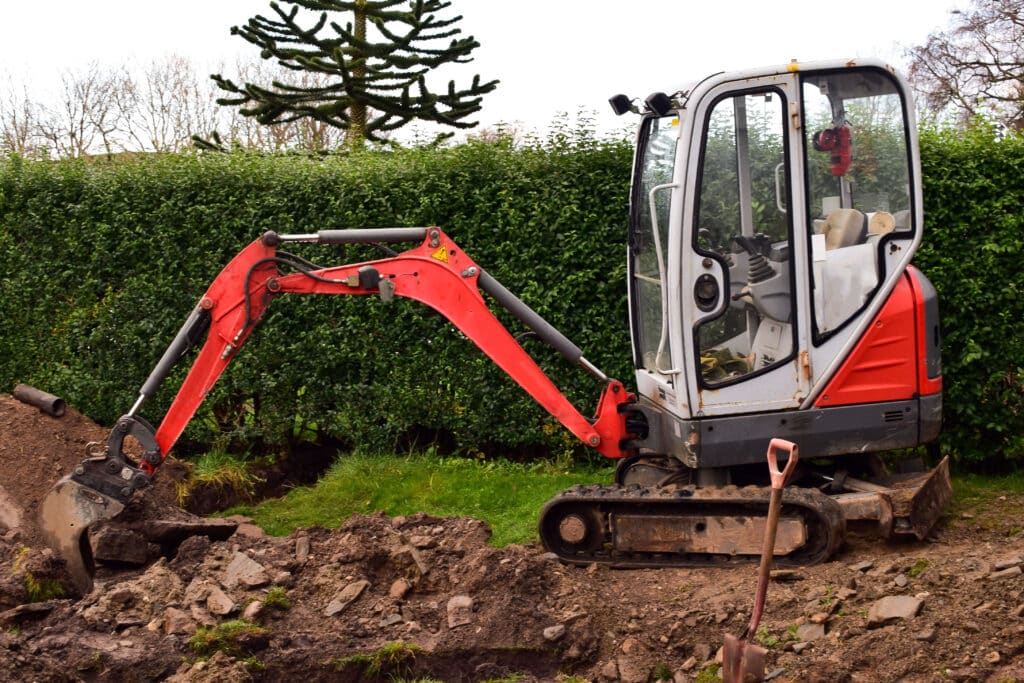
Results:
460 611
893 607
245 571
346 597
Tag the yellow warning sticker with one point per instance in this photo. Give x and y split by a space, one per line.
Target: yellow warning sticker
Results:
441 254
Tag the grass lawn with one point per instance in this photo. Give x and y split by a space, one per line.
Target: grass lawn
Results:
506 495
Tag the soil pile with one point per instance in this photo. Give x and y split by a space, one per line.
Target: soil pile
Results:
420 597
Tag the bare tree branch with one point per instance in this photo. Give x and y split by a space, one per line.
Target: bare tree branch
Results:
976 66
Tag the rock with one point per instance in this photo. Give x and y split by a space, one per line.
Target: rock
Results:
392 619
1018 611
984 607
245 571
862 566
808 633
302 549
346 597
422 542
121 546
1007 562
250 530
993 657
253 611
690 662
178 622
702 651
819 617
801 646
630 646
927 635
633 670
460 611
901 580
400 588
893 607
610 671
553 633
1007 573
218 602
786 575
200 615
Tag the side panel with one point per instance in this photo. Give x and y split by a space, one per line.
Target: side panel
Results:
883 365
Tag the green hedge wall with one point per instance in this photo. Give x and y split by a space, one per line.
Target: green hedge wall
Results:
101 262
974 220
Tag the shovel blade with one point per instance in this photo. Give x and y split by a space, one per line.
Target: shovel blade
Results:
742 661
64 518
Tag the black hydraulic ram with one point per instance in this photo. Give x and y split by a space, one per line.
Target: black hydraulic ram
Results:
513 304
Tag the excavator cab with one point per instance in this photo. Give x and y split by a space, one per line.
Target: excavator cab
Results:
773 217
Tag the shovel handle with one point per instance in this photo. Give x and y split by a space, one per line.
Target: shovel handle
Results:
779 478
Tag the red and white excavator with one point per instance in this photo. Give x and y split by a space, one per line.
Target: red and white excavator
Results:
773 217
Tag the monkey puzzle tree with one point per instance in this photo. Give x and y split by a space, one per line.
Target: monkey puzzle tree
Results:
371 71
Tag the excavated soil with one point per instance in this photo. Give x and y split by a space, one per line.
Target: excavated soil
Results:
424 598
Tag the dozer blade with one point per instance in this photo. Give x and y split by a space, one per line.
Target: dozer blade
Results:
64 517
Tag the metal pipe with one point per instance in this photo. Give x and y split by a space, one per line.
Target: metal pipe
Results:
359 236
48 403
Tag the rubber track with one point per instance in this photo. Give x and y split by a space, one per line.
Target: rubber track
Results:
823 517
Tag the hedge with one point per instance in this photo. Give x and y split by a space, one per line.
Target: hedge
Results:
103 260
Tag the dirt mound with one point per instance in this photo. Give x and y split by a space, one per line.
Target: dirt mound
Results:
420 597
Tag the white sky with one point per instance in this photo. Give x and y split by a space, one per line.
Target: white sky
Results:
551 56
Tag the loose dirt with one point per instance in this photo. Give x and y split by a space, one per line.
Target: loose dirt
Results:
424 598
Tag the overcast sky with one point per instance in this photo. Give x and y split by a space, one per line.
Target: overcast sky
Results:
551 55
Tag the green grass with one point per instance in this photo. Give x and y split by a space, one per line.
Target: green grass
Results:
506 495
224 637
976 497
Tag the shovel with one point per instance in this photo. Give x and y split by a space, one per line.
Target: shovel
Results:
743 660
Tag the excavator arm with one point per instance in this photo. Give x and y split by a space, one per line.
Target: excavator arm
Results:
436 272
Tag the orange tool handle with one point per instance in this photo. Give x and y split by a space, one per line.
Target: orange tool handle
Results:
779 478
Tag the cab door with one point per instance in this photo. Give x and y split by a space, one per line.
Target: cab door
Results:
744 280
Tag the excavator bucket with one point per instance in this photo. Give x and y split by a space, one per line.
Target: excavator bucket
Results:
65 515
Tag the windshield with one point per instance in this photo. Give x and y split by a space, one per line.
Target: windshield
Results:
649 240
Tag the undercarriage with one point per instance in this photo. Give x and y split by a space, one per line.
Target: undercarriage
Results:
660 513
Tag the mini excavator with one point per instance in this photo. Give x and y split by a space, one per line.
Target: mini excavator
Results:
773 217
